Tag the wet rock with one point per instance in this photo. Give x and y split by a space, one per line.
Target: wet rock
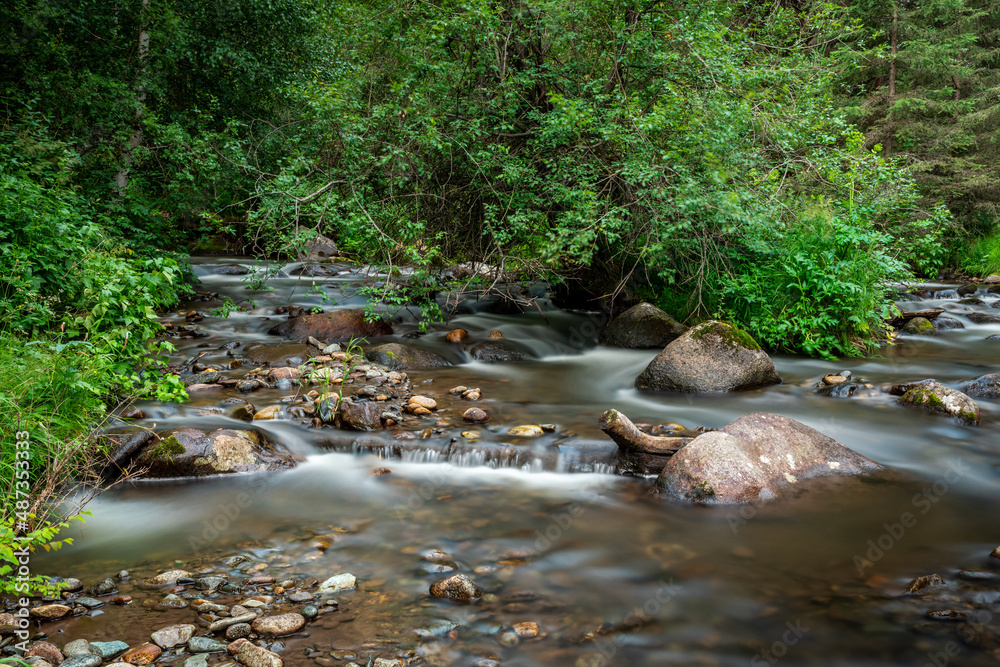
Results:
302 596
89 603
206 645
994 337
142 655
337 583
495 335
918 326
497 351
246 385
270 412
456 335
456 587
203 378
192 453
202 387
758 457
251 655
526 431
172 636
984 318
319 247
315 271
333 326
984 386
237 631
108 650
421 402
46 651
282 624
710 357
971 301
284 373
49 612
83 660
168 578
526 630
8 624
199 660
361 416
967 289
401 357
475 415
932 396
922 583
310 612
232 270
244 412
280 355
103 587
947 324
640 327
77 647
849 390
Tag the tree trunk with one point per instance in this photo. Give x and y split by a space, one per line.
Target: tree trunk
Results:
893 47
121 178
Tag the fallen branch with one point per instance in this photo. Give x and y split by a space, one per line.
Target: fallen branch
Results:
628 437
907 315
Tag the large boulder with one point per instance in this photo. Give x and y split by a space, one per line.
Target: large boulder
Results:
317 248
333 326
709 357
932 396
984 386
188 452
758 457
404 357
642 326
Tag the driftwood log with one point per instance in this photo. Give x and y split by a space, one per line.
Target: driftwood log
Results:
629 438
907 315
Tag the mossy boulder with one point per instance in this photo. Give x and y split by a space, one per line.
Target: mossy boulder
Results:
404 357
709 357
642 326
188 452
932 396
918 326
759 457
337 325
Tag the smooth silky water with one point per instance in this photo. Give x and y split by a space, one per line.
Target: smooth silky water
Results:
612 575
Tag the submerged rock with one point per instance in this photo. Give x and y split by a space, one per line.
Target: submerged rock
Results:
947 324
456 587
984 318
278 355
710 357
984 386
401 357
642 326
188 452
932 396
332 326
758 457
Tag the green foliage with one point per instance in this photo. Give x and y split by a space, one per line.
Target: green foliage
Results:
44 537
981 257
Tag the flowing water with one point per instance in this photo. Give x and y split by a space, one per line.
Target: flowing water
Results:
611 575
